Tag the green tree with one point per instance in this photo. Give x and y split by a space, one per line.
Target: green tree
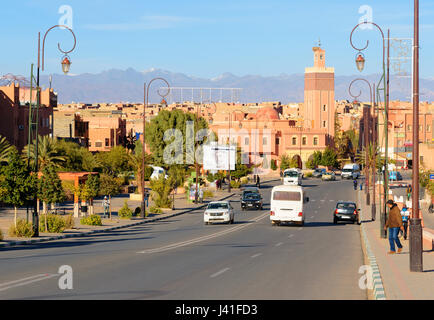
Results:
17 182
77 158
168 120
47 152
50 189
161 190
91 190
329 158
285 162
5 149
116 161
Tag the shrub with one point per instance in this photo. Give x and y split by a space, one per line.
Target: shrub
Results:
92 220
55 223
125 212
23 229
208 194
235 184
308 175
244 180
155 210
69 221
273 165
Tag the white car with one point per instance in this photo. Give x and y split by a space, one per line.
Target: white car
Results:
292 177
287 204
219 211
157 172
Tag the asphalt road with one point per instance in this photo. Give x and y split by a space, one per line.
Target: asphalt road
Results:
181 258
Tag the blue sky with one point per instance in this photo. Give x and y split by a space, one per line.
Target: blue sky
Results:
206 38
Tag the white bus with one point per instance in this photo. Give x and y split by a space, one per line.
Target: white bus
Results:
287 204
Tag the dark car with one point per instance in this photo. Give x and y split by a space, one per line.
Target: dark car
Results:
249 190
346 211
251 200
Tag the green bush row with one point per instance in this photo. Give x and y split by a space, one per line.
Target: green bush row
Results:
92 220
22 229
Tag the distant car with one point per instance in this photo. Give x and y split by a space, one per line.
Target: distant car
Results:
292 177
219 211
350 171
395 176
328 176
251 201
318 173
346 211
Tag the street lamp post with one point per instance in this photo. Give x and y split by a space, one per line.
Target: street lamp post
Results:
66 64
360 62
366 129
416 245
145 106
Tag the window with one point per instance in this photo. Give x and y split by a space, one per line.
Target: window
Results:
409 128
246 141
304 141
294 141
324 107
286 196
277 141
98 144
428 128
264 141
324 124
107 142
315 141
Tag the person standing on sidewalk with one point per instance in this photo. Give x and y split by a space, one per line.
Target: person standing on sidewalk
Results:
355 184
405 213
394 223
106 206
409 190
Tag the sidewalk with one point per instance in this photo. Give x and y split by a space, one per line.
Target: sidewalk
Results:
398 282
181 206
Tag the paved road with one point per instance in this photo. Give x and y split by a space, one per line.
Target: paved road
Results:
181 258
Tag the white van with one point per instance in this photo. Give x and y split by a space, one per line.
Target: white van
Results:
157 172
350 171
287 204
292 177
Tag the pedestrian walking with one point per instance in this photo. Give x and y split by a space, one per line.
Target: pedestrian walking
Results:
394 223
106 206
405 213
409 191
355 184
258 182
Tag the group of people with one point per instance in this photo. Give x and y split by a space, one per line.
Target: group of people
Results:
397 223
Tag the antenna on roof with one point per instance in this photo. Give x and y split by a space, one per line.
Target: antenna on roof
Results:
319 42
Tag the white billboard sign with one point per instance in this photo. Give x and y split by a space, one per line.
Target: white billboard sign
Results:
218 157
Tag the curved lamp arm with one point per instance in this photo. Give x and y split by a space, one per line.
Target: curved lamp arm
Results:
58 44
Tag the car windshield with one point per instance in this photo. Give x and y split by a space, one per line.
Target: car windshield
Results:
347 170
291 174
350 206
287 196
218 206
251 196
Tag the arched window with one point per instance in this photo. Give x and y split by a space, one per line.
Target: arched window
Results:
294 141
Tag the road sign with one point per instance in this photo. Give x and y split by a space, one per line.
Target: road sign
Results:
431 176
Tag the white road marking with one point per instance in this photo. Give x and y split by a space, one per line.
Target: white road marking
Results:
204 238
25 281
290 236
279 244
256 255
219 273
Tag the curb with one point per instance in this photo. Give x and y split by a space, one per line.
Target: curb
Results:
377 283
82 234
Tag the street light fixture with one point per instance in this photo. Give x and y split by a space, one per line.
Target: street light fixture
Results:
145 106
360 63
66 63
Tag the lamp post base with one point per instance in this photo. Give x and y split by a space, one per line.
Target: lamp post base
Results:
416 245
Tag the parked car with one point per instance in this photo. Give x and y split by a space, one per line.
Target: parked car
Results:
346 211
157 172
328 176
395 176
318 173
251 201
219 211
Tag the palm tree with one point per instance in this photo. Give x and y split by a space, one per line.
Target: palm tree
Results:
5 149
47 152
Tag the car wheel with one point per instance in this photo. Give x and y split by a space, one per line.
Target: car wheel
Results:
335 221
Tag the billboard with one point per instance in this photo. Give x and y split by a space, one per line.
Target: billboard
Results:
218 157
